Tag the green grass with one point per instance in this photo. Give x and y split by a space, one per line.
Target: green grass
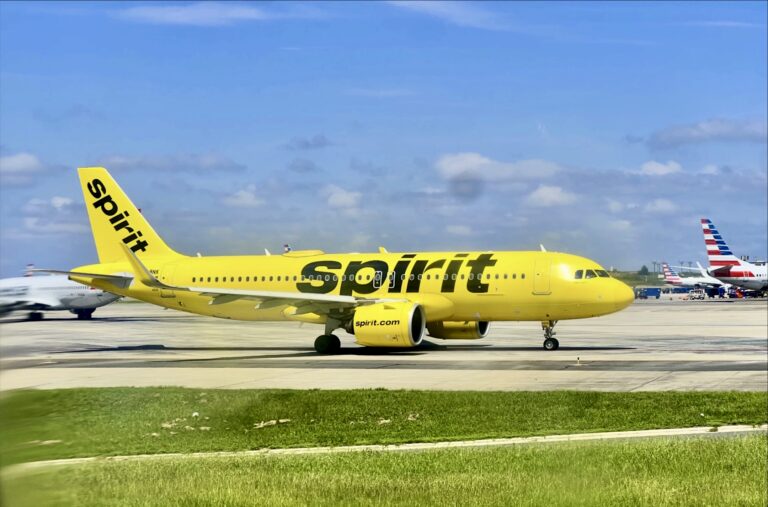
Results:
37 425
659 472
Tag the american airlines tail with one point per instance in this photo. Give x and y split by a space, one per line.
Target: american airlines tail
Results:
718 252
116 221
670 276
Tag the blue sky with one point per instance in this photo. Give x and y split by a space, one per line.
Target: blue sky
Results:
601 129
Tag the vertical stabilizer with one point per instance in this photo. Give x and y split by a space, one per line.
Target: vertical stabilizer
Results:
670 276
116 221
718 252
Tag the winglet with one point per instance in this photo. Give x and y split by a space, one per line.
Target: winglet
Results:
383 250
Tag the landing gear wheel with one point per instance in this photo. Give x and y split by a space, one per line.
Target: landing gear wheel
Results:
36 316
327 344
84 314
551 344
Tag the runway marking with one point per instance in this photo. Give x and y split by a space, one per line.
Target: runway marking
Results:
699 431
351 362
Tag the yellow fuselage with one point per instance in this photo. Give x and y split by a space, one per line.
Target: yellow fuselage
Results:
450 286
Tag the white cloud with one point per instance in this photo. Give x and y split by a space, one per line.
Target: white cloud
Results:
710 169
620 225
20 168
458 230
338 198
315 142
469 164
456 13
20 163
615 206
43 226
42 207
717 130
195 14
57 215
660 206
181 162
245 198
654 168
546 196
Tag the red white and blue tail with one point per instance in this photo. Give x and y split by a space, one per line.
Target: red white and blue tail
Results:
718 252
670 276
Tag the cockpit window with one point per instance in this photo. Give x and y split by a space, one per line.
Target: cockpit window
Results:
602 273
590 274
579 274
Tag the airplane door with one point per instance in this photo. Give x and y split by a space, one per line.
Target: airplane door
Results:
541 277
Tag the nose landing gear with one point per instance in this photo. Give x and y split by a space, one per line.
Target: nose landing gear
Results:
550 342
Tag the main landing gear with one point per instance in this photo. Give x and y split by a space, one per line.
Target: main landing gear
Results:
550 342
84 314
329 343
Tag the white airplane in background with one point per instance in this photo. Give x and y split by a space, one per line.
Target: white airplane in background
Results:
672 278
725 266
48 293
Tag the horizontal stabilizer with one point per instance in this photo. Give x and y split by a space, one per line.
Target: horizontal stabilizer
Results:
117 280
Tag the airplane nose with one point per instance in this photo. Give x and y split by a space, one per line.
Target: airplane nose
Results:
623 295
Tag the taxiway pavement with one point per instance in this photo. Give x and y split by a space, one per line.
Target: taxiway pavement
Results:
652 345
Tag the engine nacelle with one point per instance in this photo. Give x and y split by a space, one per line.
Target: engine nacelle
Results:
450 330
389 325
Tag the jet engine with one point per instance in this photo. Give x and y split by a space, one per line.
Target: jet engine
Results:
389 325
450 330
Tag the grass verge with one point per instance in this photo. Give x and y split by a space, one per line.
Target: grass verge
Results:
701 471
37 425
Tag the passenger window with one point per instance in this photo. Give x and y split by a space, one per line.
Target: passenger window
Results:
602 273
579 274
294 278
522 276
497 276
232 279
193 279
453 276
216 279
278 278
271 278
327 278
514 276
462 276
488 276
505 276
590 274
247 278
263 278
209 279
239 278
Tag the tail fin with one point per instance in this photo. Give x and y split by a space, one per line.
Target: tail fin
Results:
670 276
115 221
718 252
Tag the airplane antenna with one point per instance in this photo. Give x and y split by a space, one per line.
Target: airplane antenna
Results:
266 252
542 247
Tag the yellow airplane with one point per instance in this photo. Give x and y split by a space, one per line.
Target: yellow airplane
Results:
383 299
